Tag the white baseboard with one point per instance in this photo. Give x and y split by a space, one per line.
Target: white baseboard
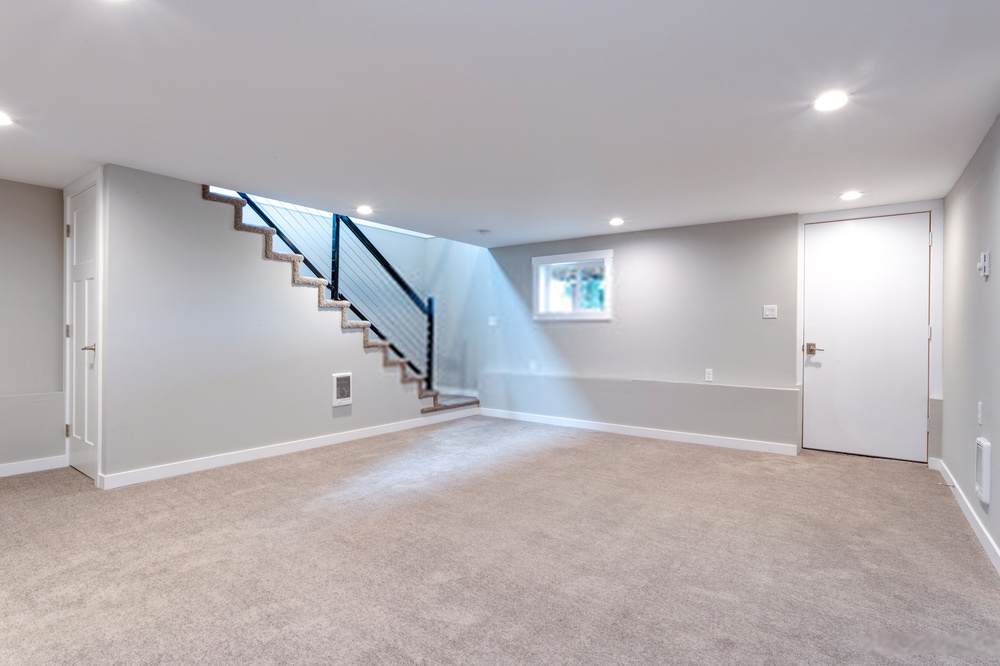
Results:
651 433
985 538
33 465
132 476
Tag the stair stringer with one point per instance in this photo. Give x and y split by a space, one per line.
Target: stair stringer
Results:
369 342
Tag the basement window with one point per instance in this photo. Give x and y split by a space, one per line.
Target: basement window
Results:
572 286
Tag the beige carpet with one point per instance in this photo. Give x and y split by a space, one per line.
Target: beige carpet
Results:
488 541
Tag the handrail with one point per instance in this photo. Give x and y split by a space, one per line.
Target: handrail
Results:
333 284
419 302
280 234
374 329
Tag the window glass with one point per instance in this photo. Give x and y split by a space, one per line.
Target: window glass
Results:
572 286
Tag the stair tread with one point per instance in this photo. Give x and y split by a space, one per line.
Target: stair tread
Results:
284 256
471 402
310 281
254 229
326 303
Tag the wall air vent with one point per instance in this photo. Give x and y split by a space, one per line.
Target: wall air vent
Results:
343 390
983 466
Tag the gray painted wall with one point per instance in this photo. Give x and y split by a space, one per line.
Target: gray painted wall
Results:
222 353
767 414
31 272
407 254
685 299
972 315
461 278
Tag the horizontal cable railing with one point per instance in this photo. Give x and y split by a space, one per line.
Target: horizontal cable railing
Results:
336 249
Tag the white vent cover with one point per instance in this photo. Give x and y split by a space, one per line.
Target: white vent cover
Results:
342 389
983 466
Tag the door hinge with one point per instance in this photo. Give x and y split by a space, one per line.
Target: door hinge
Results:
68 232
930 238
930 332
67 430
67 330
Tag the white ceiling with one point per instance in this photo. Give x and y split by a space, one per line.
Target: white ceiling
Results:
536 120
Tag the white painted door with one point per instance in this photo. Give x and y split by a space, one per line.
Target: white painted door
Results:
866 311
84 312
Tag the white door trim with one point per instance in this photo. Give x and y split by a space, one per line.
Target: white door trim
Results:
93 179
935 223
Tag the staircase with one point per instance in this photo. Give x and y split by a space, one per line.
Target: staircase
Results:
333 255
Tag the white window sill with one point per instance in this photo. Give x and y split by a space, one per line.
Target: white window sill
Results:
575 316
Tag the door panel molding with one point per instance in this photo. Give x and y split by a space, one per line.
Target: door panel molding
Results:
94 426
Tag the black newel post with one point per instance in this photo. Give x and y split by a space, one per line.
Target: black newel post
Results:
335 259
430 343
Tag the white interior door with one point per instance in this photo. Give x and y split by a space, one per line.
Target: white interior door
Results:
84 312
866 311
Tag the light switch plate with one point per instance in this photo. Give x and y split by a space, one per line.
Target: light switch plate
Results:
709 374
769 312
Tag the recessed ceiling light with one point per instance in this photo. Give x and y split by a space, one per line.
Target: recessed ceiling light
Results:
5 119
364 209
831 100
851 195
616 221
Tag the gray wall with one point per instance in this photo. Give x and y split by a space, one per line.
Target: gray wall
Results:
208 347
685 299
407 254
31 272
461 278
765 414
972 315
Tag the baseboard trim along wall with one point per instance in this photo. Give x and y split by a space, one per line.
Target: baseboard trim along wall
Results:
987 541
649 433
167 470
33 465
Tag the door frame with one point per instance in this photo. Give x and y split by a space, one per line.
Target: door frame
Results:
935 230
94 178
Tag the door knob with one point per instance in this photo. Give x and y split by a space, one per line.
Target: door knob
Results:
811 348
92 348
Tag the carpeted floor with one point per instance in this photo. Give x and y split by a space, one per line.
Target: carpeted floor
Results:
489 541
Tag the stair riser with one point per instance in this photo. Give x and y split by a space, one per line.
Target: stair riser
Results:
323 303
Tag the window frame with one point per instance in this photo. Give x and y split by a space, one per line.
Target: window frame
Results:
607 256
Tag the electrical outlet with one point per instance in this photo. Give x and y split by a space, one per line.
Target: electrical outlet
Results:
708 374
492 321
769 312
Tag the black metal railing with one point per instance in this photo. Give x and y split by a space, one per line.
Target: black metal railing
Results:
337 250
